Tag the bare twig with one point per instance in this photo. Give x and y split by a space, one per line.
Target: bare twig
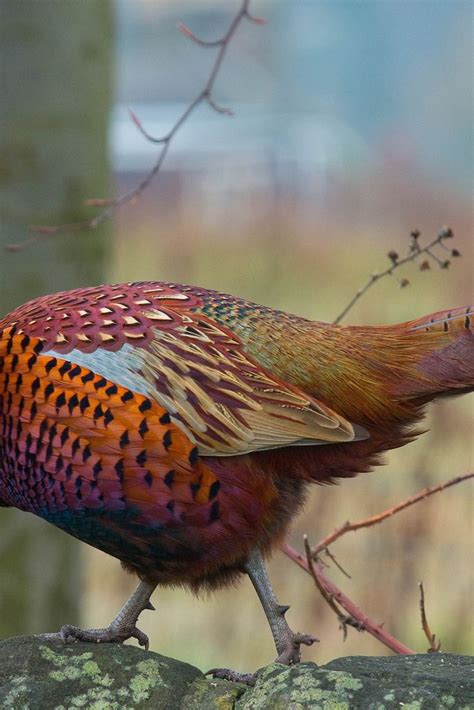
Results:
204 96
336 599
356 617
310 561
434 645
414 252
332 557
380 517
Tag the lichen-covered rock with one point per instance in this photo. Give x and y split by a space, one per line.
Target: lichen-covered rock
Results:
207 694
421 682
43 675
39 675
431 681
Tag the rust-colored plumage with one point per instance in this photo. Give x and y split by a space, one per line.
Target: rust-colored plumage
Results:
177 428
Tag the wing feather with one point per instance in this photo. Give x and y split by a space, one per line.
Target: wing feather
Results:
229 401
155 339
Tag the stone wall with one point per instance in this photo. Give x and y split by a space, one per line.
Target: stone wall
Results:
44 675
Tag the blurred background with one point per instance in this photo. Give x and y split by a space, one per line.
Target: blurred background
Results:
352 126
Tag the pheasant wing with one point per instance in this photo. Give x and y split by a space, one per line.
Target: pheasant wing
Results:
155 339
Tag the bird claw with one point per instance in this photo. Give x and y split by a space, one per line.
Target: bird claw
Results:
291 652
288 656
111 634
122 628
233 676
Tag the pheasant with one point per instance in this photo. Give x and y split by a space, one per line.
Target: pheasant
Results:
178 428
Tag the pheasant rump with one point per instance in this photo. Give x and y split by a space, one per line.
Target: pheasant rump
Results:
178 429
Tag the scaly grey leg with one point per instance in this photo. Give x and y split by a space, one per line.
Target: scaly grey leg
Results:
122 627
287 642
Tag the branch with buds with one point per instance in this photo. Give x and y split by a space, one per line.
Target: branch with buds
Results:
415 251
109 206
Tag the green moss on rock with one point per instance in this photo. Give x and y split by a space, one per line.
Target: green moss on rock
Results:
212 695
37 675
299 687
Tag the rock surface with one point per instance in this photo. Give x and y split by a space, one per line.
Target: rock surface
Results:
45 675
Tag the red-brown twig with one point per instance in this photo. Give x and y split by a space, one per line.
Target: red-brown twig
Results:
380 517
414 252
333 595
434 645
204 96
335 598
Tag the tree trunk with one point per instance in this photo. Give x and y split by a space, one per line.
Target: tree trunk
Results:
56 69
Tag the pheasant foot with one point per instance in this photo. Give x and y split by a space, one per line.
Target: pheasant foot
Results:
112 634
287 642
289 647
122 628
289 654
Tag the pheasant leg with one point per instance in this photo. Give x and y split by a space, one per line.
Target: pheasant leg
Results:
287 642
123 627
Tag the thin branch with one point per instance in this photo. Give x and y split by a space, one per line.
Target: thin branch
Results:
204 96
187 32
380 517
414 252
336 599
327 596
356 617
332 557
434 645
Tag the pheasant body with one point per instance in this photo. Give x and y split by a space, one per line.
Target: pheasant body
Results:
177 428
